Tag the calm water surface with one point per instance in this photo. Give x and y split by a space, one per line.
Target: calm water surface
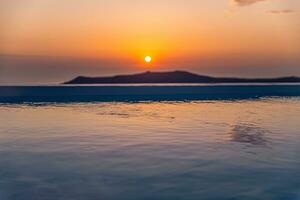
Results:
246 149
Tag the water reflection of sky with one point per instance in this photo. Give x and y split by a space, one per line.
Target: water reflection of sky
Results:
151 150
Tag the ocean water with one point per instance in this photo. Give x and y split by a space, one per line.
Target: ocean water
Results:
139 150
144 92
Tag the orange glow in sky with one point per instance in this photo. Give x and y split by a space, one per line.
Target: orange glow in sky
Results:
202 36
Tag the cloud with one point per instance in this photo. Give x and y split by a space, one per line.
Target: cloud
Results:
278 12
246 2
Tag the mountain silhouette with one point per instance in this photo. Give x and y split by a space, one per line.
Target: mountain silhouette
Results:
175 77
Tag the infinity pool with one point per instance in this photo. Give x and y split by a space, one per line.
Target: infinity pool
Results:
239 149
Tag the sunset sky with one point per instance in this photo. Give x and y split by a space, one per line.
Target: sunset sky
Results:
50 41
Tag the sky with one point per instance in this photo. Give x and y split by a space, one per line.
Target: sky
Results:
51 41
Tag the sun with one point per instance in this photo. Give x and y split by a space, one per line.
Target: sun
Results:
148 59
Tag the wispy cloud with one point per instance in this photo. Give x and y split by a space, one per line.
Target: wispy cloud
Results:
278 12
246 2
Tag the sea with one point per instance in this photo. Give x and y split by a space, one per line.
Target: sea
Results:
150 142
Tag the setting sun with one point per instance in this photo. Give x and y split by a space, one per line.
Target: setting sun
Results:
148 59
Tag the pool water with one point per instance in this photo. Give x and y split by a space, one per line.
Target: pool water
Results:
215 149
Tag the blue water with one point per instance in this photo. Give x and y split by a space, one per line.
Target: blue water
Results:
106 93
207 148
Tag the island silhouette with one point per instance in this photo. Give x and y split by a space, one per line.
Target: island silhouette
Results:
175 77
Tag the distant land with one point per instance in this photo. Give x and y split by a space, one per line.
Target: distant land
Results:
175 77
